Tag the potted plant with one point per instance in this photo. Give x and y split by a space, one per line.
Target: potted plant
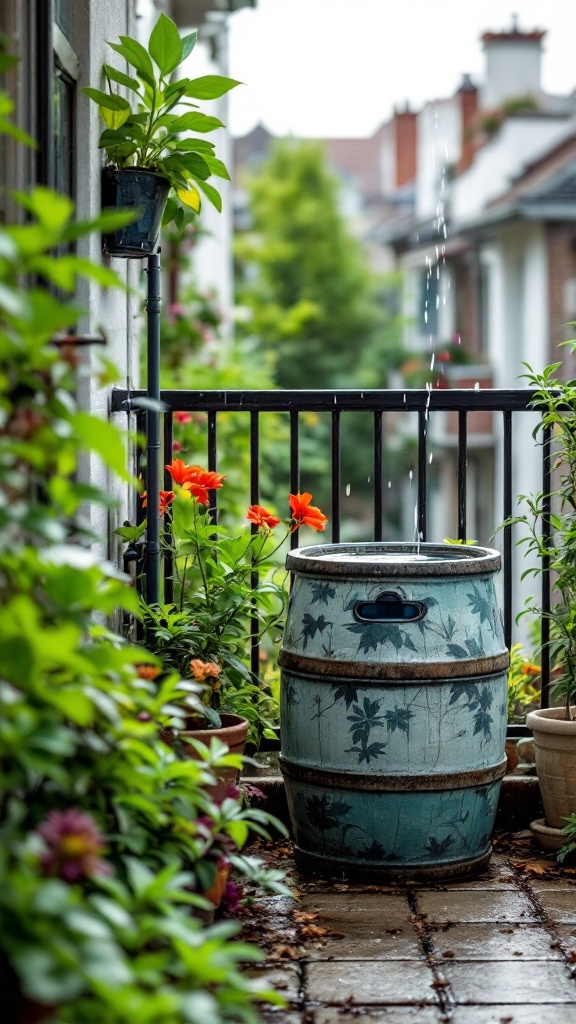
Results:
554 728
155 161
206 635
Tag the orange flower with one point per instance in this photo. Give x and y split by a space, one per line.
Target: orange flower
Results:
165 498
199 481
146 671
202 670
262 517
178 470
305 514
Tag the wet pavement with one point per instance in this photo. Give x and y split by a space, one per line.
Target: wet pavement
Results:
497 949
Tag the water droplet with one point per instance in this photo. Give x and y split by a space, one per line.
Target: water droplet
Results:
347 490
432 362
389 484
431 457
426 316
410 475
476 386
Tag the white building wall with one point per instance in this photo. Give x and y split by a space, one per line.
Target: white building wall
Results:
519 141
438 144
518 333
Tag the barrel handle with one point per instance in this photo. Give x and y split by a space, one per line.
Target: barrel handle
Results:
389 607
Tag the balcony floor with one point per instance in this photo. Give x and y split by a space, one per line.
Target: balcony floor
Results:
497 949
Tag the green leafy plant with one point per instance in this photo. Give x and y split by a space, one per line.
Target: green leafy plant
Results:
110 842
523 684
157 128
555 511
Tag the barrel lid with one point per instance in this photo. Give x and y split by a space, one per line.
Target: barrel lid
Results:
379 559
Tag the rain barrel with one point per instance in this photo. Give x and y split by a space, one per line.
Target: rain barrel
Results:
393 709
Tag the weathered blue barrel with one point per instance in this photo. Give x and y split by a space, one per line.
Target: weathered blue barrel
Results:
393 709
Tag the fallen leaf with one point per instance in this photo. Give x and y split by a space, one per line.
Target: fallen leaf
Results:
291 952
448 953
302 915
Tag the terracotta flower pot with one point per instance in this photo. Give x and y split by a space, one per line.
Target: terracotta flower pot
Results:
555 754
233 733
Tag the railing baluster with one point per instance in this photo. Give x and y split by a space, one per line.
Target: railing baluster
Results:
461 474
294 465
507 542
168 560
378 493
422 475
254 499
336 481
213 461
546 574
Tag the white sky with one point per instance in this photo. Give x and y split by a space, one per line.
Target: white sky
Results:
338 67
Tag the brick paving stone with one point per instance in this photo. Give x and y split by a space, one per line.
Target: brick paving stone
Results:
559 905
276 1016
285 978
366 926
507 982
365 983
567 935
383 1015
363 943
374 910
494 941
462 905
506 1014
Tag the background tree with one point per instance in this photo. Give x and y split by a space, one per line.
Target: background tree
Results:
306 280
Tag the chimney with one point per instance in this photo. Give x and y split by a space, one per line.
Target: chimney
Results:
512 65
405 145
468 98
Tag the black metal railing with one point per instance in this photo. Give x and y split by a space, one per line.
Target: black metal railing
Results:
462 410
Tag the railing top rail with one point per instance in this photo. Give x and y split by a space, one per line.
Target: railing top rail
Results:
385 400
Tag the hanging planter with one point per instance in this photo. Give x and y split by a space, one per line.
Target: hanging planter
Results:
151 140
132 188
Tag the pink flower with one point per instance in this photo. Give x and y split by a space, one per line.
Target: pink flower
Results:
232 897
73 842
183 417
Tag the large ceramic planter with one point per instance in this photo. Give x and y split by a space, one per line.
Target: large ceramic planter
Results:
128 189
233 733
393 709
555 755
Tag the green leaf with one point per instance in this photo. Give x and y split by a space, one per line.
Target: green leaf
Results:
135 54
211 193
217 167
165 45
121 79
210 87
131 533
103 438
196 122
108 100
188 43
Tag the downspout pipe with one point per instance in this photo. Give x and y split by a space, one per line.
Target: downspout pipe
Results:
153 308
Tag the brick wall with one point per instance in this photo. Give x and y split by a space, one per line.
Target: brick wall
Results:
561 248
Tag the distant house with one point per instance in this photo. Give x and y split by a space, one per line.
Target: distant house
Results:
473 198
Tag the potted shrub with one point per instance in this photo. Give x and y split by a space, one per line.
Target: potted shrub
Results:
554 728
154 160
